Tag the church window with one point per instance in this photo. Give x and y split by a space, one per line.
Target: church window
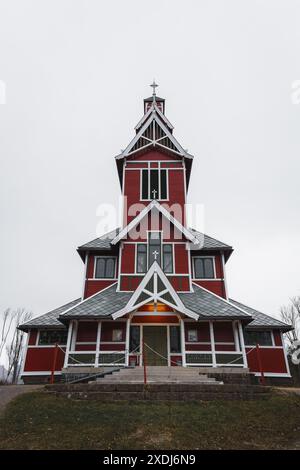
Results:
154 184
117 335
52 337
167 258
203 268
141 258
175 344
192 336
134 342
105 267
263 338
154 243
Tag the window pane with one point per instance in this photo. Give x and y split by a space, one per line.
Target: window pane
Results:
168 258
264 338
198 268
134 338
145 194
100 267
192 336
105 268
208 268
53 336
110 267
203 268
141 258
154 184
163 184
117 335
154 247
175 346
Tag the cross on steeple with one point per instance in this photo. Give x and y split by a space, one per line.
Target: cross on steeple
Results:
155 253
154 85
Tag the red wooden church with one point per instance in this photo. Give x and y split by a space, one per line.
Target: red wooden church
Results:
154 281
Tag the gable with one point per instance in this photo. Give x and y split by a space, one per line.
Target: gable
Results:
159 207
155 288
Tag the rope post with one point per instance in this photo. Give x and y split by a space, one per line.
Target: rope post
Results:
54 363
144 364
262 376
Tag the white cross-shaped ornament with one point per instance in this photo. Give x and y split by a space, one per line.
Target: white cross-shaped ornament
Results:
155 253
154 192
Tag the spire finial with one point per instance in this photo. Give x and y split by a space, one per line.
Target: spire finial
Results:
154 85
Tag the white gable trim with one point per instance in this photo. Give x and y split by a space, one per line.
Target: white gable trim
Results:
155 205
155 296
139 135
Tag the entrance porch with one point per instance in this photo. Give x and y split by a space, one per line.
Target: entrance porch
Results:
165 339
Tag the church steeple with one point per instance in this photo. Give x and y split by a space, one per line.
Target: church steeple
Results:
154 101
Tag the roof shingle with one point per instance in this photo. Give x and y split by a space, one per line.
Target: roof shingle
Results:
49 319
209 305
261 320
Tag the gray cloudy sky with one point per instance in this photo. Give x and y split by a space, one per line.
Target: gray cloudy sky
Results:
76 73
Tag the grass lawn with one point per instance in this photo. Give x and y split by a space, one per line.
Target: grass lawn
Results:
40 421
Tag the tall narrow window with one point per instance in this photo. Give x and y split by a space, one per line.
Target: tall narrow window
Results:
204 268
134 342
167 258
145 185
141 259
163 184
154 184
175 344
154 248
105 267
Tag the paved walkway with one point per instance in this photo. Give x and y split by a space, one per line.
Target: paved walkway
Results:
9 392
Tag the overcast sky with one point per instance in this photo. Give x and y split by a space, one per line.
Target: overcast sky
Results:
76 73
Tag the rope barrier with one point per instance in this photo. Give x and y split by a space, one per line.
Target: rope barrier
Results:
227 363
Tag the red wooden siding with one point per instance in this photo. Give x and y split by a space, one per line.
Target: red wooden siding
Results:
272 359
32 337
41 359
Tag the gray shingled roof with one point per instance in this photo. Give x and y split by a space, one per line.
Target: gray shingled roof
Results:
209 243
101 305
103 242
49 319
261 320
207 304
108 301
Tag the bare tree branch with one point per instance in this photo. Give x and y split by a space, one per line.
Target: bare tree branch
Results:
12 339
290 314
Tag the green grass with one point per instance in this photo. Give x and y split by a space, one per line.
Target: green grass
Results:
41 421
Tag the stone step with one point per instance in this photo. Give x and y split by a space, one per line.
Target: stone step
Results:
165 392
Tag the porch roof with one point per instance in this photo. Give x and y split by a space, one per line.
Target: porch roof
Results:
100 305
261 320
211 306
49 319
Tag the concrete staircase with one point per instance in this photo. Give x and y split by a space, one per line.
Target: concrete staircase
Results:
159 375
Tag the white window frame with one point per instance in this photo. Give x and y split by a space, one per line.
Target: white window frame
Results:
203 278
158 168
261 345
104 278
192 330
115 330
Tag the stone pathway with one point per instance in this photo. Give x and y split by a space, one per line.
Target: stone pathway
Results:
9 392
